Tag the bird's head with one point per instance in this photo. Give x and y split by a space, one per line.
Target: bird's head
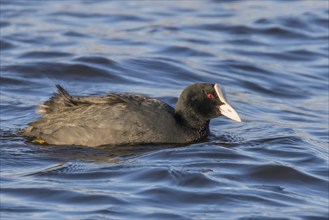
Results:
198 103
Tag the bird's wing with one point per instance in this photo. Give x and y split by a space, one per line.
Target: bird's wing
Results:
63 101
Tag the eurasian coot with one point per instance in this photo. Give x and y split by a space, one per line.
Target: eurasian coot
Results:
120 119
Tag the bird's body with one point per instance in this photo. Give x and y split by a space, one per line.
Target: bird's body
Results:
115 119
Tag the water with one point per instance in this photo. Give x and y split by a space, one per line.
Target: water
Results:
272 57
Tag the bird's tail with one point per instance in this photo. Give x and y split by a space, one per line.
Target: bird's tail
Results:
58 101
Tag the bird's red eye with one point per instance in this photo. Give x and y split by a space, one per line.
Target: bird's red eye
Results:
210 96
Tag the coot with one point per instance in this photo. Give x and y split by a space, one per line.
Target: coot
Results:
121 119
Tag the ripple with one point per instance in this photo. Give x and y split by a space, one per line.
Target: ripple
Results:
288 56
74 34
114 17
10 81
44 55
28 39
66 196
79 72
283 91
184 51
97 60
5 45
171 70
78 14
186 198
277 173
4 24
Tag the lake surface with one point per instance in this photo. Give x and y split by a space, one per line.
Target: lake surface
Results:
272 58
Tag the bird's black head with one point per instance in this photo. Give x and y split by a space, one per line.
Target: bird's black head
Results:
201 102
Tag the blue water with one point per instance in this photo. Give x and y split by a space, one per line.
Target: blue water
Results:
272 58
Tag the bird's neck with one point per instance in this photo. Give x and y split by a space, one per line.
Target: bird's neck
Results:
186 117
192 121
